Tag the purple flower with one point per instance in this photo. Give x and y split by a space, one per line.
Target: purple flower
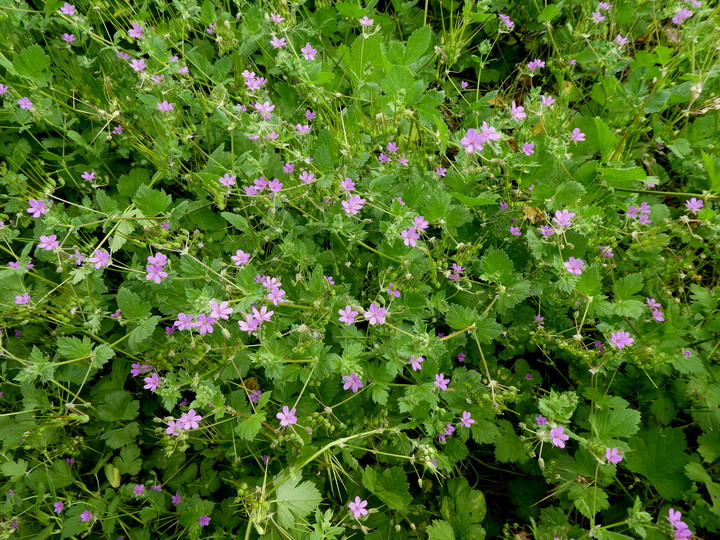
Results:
240 258
604 6
574 266
621 40
352 382
621 339
204 520
687 353
58 507
607 252
415 362
365 21
3 89
138 65
528 149
515 231
176 499
375 314
541 420
86 516
357 507
577 136
277 19
546 230
598 17
540 319
151 382
205 324
308 52
473 141
353 204
506 21
466 419
68 38
347 184
613 455
310 115
174 428
384 158
517 112
303 129
265 109
262 314
100 258
190 420
393 291
440 171
536 64
464 84
658 315
547 101
48 243
681 15
563 218
155 273
277 43
276 295
287 416
461 357
558 436
68 9
184 322
694 205
88 176
25 103
275 185
250 324
307 177
441 382
221 310
135 30
165 106
410 236
139 489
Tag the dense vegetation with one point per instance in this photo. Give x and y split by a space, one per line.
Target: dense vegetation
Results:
311 270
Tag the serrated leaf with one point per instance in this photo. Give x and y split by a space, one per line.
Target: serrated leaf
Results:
606 138
14 469
101 355
118 405
239 222
659 455
390 486
72 348
131 305
496 266
117 438
31 61
549 12
618 423
487 329
129 461
628 286
248 428
296 500
487 199
139 337
437 206
709 446
417 45
440 530
460 317
151 202
589 500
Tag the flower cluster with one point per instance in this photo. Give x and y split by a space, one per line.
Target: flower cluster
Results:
188 421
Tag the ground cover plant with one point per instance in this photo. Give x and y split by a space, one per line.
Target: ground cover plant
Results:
313 270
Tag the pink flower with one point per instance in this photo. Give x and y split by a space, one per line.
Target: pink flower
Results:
100 258
86 516
490 133
357 507
393 291
263 314
250 324
151 382
22 300
307 177
621 339
613 455
473 141
347 184
441 382
694 205
607 252
415 362
184 322
375 314
515 231
353 205
190 420
352 383
3 89
517 112
621 40
135 30
277 43
563 218
410 236
138 65
528 148
220 311
577 136
364 21
597 17
176 499
536 64
506 21
347 315
204 521
174 428
205 324
37 208
240 258
681 15
227 180
48 243
58 507
25 103
165 106
574 266
441 171
68 38
276 295
277 19
547 101
155 273
88 176
287 416
466 419
558 436
68 9
308 52
300 128
275 185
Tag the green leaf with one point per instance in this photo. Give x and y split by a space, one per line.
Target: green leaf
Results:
659 455
437 206
590 282
128 184
151 202
391 486
549 12
617 423
118 405
589 500
709 446
131 305
486 199
440 530
72 348
460 317
31 62
139 337
627 286
607 139
496 266
117 438
487 329
617 177
248 428
129 461
296 500
508 446
14 469
464 508
236 221
101 355
417 45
